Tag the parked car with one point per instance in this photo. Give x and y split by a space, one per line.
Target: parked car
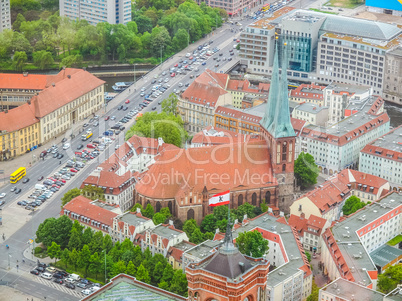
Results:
58 280
26 180
70 285
46 275
34 271
2 195
18 190
50 269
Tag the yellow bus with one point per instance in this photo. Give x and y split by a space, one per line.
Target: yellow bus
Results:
265 7
86 136
17 175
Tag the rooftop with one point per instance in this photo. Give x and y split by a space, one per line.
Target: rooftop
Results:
346 290
310 108
340 88
132 218
387 44
165 231
23 81
266 22
346 233
18 118
203 250
385 255
390 141
125 287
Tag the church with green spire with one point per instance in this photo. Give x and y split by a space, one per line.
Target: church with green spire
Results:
278 132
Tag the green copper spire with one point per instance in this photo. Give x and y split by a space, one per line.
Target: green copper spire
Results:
277 113
273 96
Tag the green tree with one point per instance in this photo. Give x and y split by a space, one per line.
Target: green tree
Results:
245 209
143 275
64 256
107 243
143 24
119 268
131 270
148 211
75 241
166 212
93 193
54 230
252 244
157 273
158 218
352 204
71 61
17 23
189 226
164 285
306 171
95 264
96 243
153 125
264 207
169 105
74 257
167 275
179 283
43 59
197 237
181 39
388 280
314 292
208 224
222 225
134 208
84 259
208 235
308 255
19 60
69 195
87 236
54 251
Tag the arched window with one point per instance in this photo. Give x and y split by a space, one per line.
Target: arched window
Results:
240 200
170 206
284 151
158 206
283 167
254 199
190 214
268 197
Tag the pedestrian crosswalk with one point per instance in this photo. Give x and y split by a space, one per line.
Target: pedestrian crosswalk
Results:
60 287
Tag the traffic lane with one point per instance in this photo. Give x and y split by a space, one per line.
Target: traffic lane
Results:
31 287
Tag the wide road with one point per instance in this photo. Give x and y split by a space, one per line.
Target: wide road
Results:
20 278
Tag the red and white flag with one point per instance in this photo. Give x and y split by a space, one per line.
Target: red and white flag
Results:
219 199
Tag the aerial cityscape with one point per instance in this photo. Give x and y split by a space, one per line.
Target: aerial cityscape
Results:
201 150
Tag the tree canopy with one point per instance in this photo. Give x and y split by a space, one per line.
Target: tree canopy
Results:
305 169
352 204
166 126
388 280
252 243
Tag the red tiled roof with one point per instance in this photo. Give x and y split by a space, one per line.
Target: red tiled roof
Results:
297 222
18 118
69 85
19 81
193 169
244 86
106 178
150 145
346 138
298 92
85 207
207 88
361 178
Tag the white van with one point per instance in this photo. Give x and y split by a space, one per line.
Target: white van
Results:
75 277
40 187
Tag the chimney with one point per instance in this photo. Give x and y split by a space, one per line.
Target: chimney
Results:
302 215
25 74
138 210
69 76
53 84
171 223
241 264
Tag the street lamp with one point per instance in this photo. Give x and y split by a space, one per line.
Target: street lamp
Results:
105 264
33 235
161 57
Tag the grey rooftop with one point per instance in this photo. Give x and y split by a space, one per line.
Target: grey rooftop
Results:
132 219
346 290
390 140
385 255
310 108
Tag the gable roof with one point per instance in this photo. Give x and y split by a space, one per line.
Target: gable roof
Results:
25 82
17 118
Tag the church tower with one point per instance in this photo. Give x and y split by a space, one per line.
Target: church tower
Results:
278 132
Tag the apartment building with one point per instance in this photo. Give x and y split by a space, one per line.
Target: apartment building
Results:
97 11
233 7
321 48
393 76
96 215
326 201
337 147
347 245
241 88
198 103
308 93
129 225
19 132
338 96
311 113
5 17
383 158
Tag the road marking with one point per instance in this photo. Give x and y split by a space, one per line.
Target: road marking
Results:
59 287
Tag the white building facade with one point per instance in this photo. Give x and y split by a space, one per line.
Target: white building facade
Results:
97 11
5 17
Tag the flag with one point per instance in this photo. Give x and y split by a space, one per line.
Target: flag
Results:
219 199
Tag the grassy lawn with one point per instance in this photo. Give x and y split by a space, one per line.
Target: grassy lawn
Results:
324 11
395 240
344 3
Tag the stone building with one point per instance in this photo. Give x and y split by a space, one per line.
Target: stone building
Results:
393 76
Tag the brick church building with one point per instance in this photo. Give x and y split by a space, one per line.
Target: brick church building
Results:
254 171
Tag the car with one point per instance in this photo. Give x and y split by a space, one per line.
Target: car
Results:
18 190
232 53
86 291
107 118
59 281
63 140
80 146
66 146
55 155
125 108
154 108
238 41
50 269
2 203
217 65
46 275
26 180
127 101
34 271
60 156
13 189
3 195
229 59
116 132
204 63
176 65
142 94
73 170
231 50
70 285
113 118
220 54
173 74
120 107
85 125
153 81
96 123
40 178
